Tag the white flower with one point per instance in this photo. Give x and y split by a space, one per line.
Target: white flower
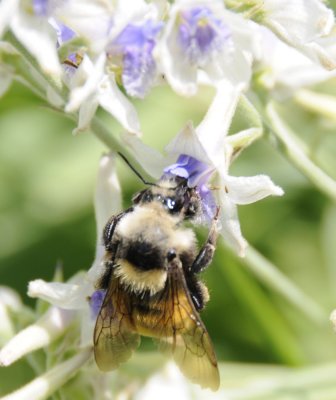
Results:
304 24
35 33
45 385
9 302
210 145
282 69
204 36
92 21
171 384
40 334
91 87
7 9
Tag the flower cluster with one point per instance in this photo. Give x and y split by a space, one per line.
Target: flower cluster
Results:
82 55
93 48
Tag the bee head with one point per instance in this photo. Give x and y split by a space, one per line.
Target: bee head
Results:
175 197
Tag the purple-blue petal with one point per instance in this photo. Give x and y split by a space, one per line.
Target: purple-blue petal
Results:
209 205
96 301
64 33
201 34
197 174
40 7
135 44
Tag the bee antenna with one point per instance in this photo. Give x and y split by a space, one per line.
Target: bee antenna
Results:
135 171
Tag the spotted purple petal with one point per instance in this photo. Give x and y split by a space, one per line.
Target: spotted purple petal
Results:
96 301
201 35
135 45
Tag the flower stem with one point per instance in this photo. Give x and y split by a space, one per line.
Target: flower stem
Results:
322 104
274 278
99 129
43 386
34 66
291 148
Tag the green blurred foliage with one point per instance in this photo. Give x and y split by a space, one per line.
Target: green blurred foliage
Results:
47 180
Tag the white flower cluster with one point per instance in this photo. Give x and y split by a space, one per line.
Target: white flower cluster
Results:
104 53
94 47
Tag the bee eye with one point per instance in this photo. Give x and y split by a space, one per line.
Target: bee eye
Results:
147 197
171 203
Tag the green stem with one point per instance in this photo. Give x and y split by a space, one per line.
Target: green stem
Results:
290 147
284 383
275 279
50 80
321 104
45 385
248 112
275 334
98 128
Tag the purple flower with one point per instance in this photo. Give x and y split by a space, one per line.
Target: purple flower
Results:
201 34
40 7
96 301
135 45
64 33
197 174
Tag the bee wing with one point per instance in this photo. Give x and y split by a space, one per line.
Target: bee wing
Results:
184 335
115 337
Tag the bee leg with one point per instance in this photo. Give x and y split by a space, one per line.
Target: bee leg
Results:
111 247
205 255
110 228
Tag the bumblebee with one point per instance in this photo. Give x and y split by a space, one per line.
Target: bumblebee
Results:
152 284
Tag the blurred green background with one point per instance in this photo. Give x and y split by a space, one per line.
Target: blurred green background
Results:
47 181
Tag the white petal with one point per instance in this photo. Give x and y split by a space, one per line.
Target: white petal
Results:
298 21
188 142
118 105
107 202
70 296
324 50
87 327
246 190
108 192
54 98
36 336
40 40
284 68
45 385
7 329
87 111
91 20
7 9
230 224
85 81
180 74
9 301
169 381
243 138
150 159
214 127
9 298
234 63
